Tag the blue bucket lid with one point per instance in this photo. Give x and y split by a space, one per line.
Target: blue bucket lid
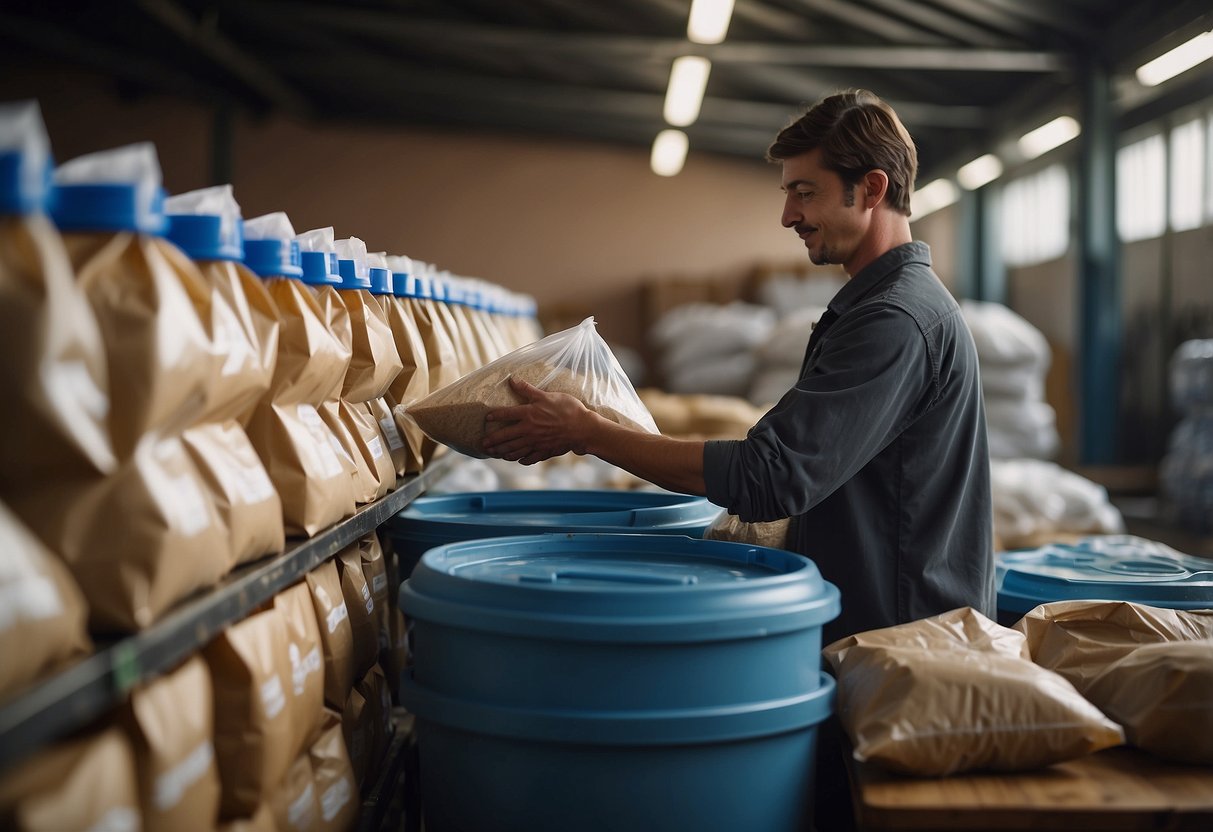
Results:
273 258
618 588
319 268
1108 568
201 237
573 510
109 207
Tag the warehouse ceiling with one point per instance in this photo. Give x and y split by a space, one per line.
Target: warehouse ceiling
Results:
958 71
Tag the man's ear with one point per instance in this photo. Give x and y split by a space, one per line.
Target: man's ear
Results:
875 185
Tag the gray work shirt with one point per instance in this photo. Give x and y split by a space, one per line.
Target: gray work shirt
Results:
878 453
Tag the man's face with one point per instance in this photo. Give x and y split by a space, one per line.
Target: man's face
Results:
826 214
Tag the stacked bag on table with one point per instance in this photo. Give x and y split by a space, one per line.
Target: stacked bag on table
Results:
1014 357
179 399
1187 468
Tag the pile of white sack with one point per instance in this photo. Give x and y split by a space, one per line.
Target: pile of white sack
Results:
1037 502
780 356
1014 358
709 348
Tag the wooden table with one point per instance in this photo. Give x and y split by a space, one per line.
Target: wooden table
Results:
1116 789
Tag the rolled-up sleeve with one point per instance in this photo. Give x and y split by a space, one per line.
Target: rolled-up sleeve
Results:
868 378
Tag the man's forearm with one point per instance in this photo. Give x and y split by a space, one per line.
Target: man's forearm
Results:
674 464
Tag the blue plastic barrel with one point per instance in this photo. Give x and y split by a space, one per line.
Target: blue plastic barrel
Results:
432 521
608 682
1102 568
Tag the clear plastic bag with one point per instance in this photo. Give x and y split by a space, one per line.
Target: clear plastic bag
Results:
575 361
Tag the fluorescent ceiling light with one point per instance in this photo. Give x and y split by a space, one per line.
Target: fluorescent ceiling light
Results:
980 171
1183 57
1048 136
688 80
933 196
669 152
709 20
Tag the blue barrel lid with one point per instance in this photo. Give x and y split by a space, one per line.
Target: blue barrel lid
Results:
109 207
350 279
273 258
202 237
618 588
1109 568
319 268
574 510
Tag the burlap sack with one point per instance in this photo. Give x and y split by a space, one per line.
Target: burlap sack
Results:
413 380
294 804
375 362
298 450
441 357
84 783
371 444
1148 668
307 662
261 821
42 613
374 569
1080 639
170 725
356 459
244 333
240 488
336 634
336 788
361 605
374 690
731 527
53 426
146 294
957 692
357 732
251 669
393 440
172 541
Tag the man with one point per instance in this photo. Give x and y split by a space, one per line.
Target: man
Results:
879 452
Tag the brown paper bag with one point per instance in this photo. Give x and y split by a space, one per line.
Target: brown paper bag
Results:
363 477
313 346
83 783
413 380
441 355
336 788
361 606
356 729
307 662
374 569
957 692
371 445
239 487
375 362
53 427
294 804
393 440
42 612
336 634
374 690
172 542
244 333
468 343
464 351
251 669
170 725
337 319
146 294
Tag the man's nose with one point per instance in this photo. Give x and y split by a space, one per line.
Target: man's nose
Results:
791 215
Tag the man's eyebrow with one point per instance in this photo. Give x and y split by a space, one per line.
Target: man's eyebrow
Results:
795 183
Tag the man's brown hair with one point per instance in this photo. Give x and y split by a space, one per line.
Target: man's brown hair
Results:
857 132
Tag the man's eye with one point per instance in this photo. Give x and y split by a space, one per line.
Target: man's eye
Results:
804 195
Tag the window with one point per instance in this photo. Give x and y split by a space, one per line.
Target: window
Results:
1187 175
1035 214
1141 209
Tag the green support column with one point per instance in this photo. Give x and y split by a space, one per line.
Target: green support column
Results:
981 275
1100 324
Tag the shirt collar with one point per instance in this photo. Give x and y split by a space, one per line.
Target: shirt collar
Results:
875 273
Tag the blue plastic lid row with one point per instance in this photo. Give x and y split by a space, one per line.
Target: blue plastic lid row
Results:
202 237
273 258
109 207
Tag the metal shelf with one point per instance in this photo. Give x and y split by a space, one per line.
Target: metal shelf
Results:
79 694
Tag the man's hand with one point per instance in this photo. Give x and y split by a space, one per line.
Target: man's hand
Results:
544 426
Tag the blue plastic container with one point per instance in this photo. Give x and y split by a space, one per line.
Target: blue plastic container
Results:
433 521
1108 568
612 681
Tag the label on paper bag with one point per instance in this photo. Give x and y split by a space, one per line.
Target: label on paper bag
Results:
394 441
171 786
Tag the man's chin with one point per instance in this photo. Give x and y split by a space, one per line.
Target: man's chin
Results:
820 258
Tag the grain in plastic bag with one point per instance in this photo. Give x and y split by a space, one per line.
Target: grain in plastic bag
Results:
958 692
575 361
731 527
1148 668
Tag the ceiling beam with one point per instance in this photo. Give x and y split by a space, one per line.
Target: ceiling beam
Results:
991 16
1049 13
870 22
226 55
942 23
